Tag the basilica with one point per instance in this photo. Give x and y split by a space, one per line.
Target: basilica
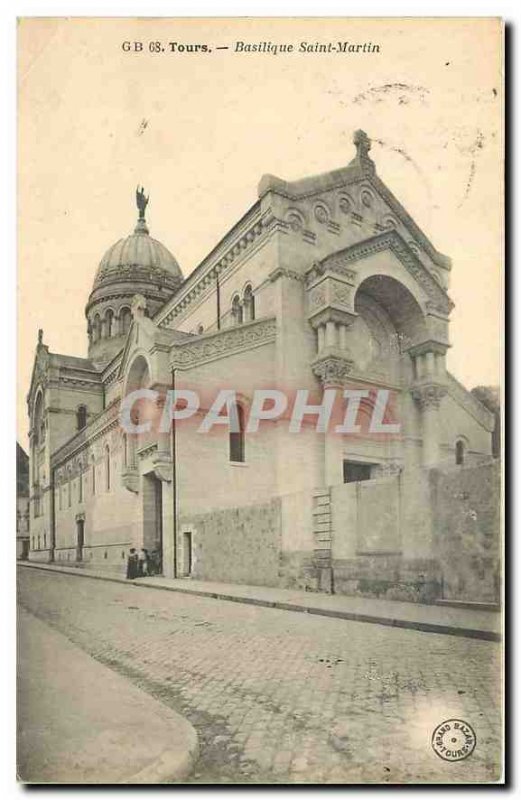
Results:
324 283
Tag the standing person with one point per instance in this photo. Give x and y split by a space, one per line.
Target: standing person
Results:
143 566
132 564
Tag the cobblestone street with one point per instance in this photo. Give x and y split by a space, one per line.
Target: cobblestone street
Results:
281 697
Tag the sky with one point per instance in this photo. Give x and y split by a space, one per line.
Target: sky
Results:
198 130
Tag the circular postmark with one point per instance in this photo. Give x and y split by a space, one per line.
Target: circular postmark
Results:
453 740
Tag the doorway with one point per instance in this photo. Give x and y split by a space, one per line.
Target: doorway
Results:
153 522
80 534
187 554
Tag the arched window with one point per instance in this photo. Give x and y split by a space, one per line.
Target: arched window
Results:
107 468
69 489
460 452
96 329
237 434
81 417
109 323
249 305
236 310
200 329
125 318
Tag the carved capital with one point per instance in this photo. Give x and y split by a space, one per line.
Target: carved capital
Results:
130 479
429 395
332 369
163 467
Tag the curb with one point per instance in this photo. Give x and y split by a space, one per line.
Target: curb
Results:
351 616
171 765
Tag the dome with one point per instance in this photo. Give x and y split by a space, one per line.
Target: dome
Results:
136 264
138 256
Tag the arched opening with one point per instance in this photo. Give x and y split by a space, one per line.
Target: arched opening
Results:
81 417
125 319
236 310
460 452
389 322
96 328
109 323
142 409
237 449
249 304
93 476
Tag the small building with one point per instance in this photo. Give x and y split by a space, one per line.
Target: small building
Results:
326 283
22 503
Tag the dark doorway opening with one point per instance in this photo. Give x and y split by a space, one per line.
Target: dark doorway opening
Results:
80 538
153 522
187 553
356 471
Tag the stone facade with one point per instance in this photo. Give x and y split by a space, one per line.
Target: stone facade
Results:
326 283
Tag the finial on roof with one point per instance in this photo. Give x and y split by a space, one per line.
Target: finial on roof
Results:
362 143
40 335
141 202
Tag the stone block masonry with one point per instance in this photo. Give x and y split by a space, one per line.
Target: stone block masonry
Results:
239 545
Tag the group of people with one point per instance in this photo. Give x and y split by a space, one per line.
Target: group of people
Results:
141 564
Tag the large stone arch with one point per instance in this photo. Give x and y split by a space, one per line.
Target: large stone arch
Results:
400 306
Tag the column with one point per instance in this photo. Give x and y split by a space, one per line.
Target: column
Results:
428 398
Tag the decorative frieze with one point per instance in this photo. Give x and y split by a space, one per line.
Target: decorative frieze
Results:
224 343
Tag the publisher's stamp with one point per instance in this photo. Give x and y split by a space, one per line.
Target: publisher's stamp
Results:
453 740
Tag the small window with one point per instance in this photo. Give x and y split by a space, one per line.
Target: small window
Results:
237 438
81 417
96 328
460 452
125 318
249 304
200 329
236 310
109 323
355 471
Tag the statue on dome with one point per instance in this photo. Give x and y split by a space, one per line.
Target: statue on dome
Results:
141 201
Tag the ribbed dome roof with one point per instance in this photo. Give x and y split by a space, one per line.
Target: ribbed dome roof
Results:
135 255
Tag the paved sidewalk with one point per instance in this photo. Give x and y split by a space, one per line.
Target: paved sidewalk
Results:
84 724
474 623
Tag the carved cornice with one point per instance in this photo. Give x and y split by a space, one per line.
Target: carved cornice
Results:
320 269
331 313
332 369
223 343
429 395
405 218
282 272
429 346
